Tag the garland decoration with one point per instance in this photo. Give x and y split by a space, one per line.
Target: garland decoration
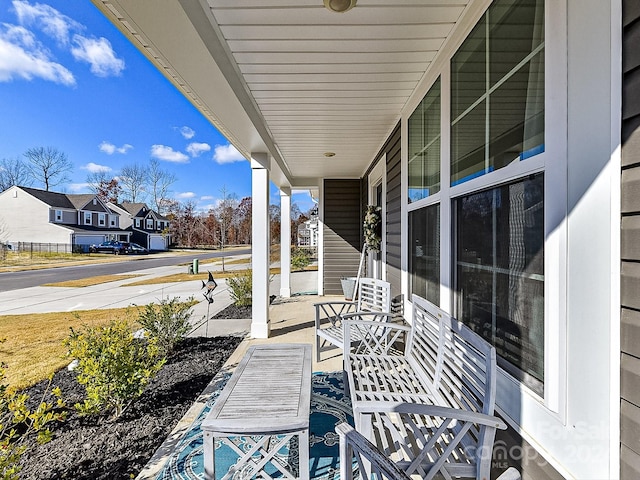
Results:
373 228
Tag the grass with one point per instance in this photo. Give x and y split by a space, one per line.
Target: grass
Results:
87 282
33 349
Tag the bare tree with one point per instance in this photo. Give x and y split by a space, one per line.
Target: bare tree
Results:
13 171
225 213
133 180
106 187
160 182
48 165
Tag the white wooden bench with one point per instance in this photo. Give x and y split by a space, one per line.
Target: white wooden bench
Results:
429 408
373 296
371 462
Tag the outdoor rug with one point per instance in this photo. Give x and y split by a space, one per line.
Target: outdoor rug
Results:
329 407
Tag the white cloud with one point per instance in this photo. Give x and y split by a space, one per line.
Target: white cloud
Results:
50 20
227 154
185 195
110 148
207 197
196 149
168 154
187 132
99 54
22 56
95 168
79 187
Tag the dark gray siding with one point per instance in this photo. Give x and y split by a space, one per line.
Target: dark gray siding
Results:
342 232
394 216
630 245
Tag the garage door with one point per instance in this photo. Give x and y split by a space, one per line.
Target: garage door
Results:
156 243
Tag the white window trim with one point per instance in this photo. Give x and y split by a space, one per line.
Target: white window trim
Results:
58 215
377 177
87 216
102 220
555 388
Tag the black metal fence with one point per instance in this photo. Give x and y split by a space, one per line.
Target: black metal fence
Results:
34 247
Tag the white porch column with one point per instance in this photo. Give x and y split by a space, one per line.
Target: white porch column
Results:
260 326
285 242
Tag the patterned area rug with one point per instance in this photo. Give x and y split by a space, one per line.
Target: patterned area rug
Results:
329 407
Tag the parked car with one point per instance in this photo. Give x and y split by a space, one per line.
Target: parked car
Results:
137 249
111 246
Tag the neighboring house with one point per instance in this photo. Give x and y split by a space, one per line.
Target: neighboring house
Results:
308 233
39 216
502 141
148 227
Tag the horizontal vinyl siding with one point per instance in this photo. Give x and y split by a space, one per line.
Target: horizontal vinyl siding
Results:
394 212
630 246
342 232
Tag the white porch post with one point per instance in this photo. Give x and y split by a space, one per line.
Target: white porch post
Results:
285 242
260 326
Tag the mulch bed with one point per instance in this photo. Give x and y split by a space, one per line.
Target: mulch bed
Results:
96 447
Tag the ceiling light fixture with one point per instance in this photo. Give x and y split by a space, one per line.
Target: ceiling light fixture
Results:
329 154
339 6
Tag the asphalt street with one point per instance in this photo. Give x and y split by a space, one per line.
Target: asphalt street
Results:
31 278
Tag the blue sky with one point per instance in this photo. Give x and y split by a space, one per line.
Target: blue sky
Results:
69 79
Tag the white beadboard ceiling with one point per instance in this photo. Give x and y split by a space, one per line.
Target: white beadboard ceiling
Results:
288 76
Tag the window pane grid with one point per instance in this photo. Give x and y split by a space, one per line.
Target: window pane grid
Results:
503 57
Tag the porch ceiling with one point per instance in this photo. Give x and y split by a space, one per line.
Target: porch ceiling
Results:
291 78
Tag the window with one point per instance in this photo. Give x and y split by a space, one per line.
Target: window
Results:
500 273
149 223
424 146
497 90
137 223
87 218
112 220
58 215
101 219
424 248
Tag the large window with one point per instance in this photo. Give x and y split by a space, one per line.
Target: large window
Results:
500 273
424 146
497 90
424 248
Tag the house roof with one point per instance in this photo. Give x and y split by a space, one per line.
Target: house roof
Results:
72 201
53 199
290 78
134 209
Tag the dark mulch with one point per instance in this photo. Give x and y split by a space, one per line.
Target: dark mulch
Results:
96 447
232 311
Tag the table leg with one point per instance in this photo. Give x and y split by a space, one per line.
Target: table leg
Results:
303 455
209 441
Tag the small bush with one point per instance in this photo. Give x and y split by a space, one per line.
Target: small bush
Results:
113 366
18 422
167 322
241 288
300 258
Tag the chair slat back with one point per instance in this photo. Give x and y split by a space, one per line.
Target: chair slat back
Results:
424 340
374 295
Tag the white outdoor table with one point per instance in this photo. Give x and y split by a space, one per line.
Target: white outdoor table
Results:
268 394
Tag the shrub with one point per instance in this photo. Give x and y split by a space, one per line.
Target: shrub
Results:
113 366
300 258
18 422
241 288
167 323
